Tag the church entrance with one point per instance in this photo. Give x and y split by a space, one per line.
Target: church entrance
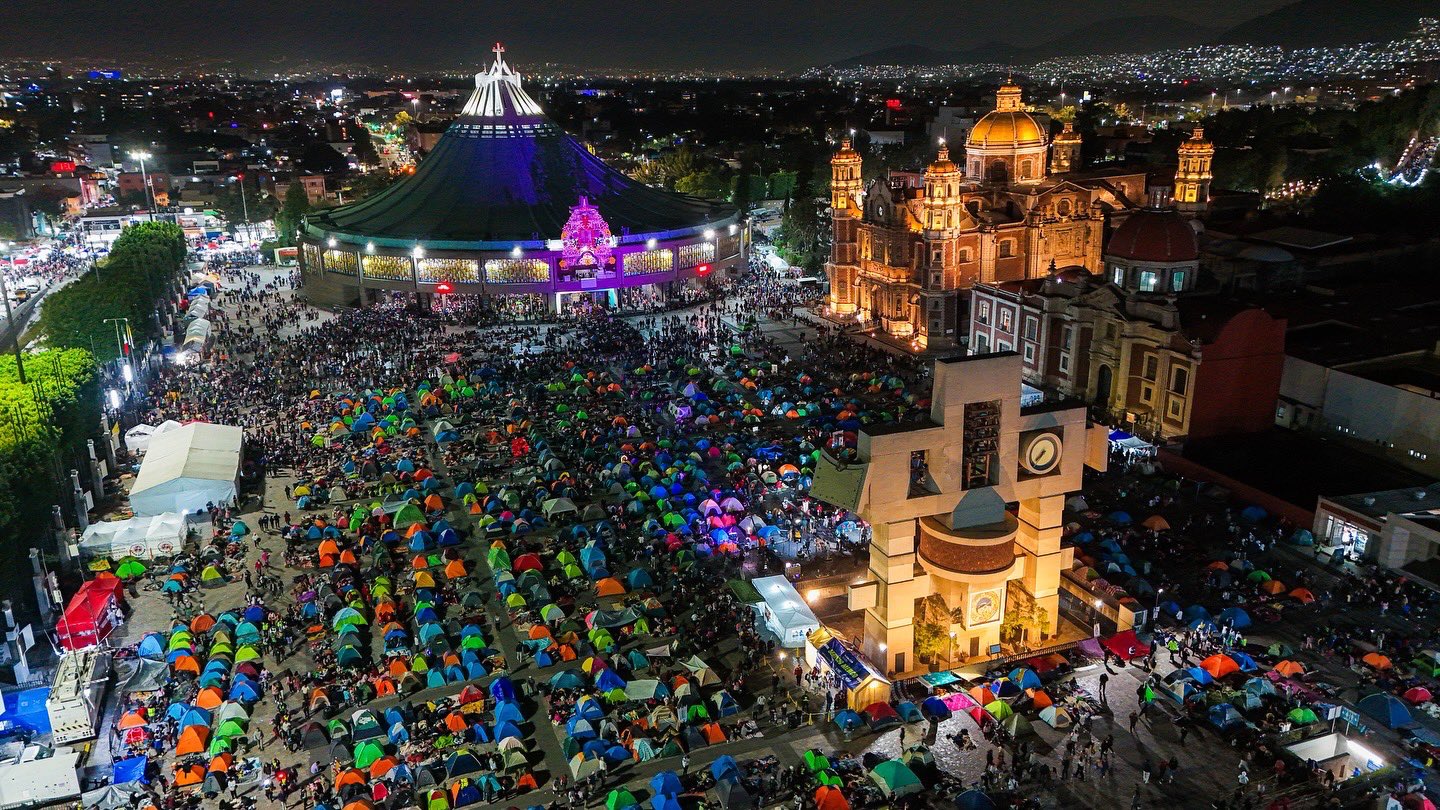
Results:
574 304
1103 381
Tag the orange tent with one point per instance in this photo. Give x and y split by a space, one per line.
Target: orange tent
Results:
186 663
192 740
567 653
398 666
982 694
423 579
202 623
713 733
1219 665
349 776
209 698
414 527
475 508
433 503
1040 699
328 546
829 797
1273 586
1217 566
347 557
384 686
384 610
455 569
222 762
1304 595
382 766
609 586
360 804
539 631
1376 660
1289 669
526 781
455 721
189 775
131 719
420 562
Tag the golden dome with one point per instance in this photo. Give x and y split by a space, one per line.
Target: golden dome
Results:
943 164
1196 142
1005 128
846 151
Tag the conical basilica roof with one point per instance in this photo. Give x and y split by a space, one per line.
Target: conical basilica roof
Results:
504 173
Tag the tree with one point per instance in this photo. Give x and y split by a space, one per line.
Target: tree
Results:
709 184
370 183
292 211
930 640
365 153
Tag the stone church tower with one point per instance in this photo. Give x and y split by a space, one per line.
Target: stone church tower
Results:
846 193
1192 178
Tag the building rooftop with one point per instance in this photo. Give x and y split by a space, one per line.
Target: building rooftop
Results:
1360 317
1404 501
1417 372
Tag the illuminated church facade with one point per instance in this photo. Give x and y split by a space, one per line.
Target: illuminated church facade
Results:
1013 206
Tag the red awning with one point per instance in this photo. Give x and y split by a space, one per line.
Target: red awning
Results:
86 620
1126 646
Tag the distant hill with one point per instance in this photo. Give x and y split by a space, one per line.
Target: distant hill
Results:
1314 23
1138 34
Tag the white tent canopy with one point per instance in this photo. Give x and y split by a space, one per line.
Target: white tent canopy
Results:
143 537
784 612
138 438
187 468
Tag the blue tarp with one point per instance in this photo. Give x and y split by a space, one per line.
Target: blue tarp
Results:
129 770
26 709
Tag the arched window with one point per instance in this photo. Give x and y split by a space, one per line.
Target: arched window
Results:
1027 169
964 255
1007 248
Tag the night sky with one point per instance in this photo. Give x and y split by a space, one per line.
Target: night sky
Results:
443 34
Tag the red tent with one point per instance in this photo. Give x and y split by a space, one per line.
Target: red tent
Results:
86 621
1126 646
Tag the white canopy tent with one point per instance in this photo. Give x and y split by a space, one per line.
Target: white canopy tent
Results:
138 438
143 537
187 468
784 611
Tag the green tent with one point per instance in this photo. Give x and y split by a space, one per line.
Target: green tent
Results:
619 799
1303 716
894 778
816 761
230 728
130 568
367 752
999 709
408 516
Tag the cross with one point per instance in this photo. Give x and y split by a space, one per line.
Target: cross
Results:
498 49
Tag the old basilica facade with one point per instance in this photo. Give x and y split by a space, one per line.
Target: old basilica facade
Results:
1013 207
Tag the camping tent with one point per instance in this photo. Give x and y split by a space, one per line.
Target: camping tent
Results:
187 468
144 537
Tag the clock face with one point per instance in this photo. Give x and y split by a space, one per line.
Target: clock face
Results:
983 609
1041 454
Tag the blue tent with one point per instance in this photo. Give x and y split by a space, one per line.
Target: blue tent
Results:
1200 676
502 689
1223 716
245 692
195 716
665 783
1247 664
1120 518
974 799
1237 617
505 729
1387 709
508 712
847 719
579 728
607 680
1253 514
130 770
1025 678
617 753
725 769
933 706
152 646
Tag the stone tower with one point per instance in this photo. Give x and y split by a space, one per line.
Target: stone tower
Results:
1192 178
845 212
1065 150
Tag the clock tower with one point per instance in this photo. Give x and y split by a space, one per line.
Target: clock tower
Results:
946 546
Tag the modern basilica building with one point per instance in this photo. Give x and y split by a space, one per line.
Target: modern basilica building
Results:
508 204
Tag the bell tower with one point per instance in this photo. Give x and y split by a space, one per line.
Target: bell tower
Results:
846 195
1065 150
1192 178
942 193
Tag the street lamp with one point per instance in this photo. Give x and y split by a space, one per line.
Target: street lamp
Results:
143 156
244 206
5 247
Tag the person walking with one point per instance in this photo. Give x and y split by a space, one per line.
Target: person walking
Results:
1134 720
1104 681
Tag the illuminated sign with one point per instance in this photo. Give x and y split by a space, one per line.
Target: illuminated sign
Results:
443 288
62 166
